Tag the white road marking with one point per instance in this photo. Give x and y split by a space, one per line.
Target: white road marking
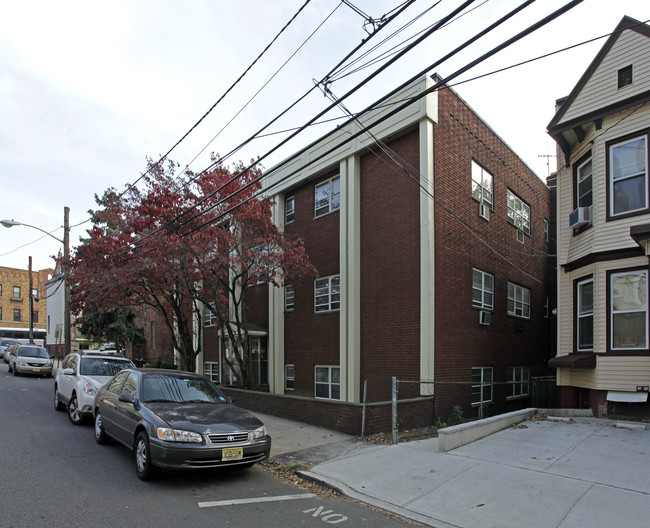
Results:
212 504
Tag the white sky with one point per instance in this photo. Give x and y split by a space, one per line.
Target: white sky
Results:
88 90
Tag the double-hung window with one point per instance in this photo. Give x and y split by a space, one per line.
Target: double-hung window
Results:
518 382
584 183
585 315
289 377
518 301
327 197
482 289
209 319
518 212
327 294
211 370
481 185
16 314
481 385
628 175
289 296
289 209
629 310
327 382
17 292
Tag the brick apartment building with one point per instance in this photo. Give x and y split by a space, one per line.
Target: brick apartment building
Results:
14 303
432 247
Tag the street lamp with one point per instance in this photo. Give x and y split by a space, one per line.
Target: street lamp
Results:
66 254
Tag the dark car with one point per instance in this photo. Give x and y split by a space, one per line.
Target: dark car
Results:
177 420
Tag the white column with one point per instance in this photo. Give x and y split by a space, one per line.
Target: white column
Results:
350 271
275 345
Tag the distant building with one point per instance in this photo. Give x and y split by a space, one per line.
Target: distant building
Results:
15 301
602 129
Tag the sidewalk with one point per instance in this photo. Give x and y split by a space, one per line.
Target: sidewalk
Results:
584 472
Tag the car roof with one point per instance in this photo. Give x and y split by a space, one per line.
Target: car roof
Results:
169 372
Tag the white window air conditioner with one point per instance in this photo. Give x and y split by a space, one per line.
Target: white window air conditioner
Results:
484 317
580 217
484 212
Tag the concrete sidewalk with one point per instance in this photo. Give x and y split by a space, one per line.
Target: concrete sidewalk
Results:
583 472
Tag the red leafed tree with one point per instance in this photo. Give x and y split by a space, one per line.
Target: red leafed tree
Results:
182 243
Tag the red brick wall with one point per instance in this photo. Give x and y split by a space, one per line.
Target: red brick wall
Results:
390 261
312 339
463 240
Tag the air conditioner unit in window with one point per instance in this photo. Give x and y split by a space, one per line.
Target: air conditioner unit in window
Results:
484 212
580 217
484 317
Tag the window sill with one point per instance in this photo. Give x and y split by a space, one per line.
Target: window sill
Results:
316 217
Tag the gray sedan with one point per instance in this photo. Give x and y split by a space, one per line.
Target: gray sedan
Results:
30 359
177 420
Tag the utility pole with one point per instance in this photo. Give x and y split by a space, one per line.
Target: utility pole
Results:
66 282
31 304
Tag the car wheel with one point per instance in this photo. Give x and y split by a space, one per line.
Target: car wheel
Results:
142 454
58 404
73 411
100 435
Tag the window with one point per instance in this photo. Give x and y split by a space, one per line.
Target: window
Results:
211 370
584 183
327 383
628 176
481 185
547 307
629 312
482 289
16 314
34 316
17 292
209 319
288 298
518 213
327 294
35 294
0 290
327 196
289 377
547 237
585 315
518 301
481 385
259 360
518 382
0 313
289 209
625 76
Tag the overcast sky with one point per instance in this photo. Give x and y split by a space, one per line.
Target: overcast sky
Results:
88 90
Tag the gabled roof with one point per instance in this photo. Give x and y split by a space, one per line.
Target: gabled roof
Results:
572 116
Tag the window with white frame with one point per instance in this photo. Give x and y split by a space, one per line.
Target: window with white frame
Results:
547 237
585 315
628 175
518 382
17 292
209 319
289 296
327 294
289 377
481 385
482 289
584 183
518 301
211 370
327 196
327 382
289 209
481 185
629 310
518 212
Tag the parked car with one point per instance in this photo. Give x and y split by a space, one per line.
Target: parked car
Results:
30 359
80 377
10 349
4 345
177 420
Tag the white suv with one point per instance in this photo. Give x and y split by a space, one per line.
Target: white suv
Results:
79 378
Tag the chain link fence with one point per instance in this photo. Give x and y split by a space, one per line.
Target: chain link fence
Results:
397 409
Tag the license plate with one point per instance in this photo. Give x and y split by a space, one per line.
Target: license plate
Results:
36 369
232 453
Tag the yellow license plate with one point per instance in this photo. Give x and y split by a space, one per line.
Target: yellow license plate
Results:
36 369
232 453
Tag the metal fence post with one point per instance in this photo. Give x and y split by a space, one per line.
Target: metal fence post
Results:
393 401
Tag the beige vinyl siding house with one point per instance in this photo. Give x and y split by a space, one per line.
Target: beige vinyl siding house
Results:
602 129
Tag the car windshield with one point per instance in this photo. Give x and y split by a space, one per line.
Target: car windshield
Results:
33 352
177 389
103 366
7 342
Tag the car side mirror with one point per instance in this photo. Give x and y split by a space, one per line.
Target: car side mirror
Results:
126 398
68 372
